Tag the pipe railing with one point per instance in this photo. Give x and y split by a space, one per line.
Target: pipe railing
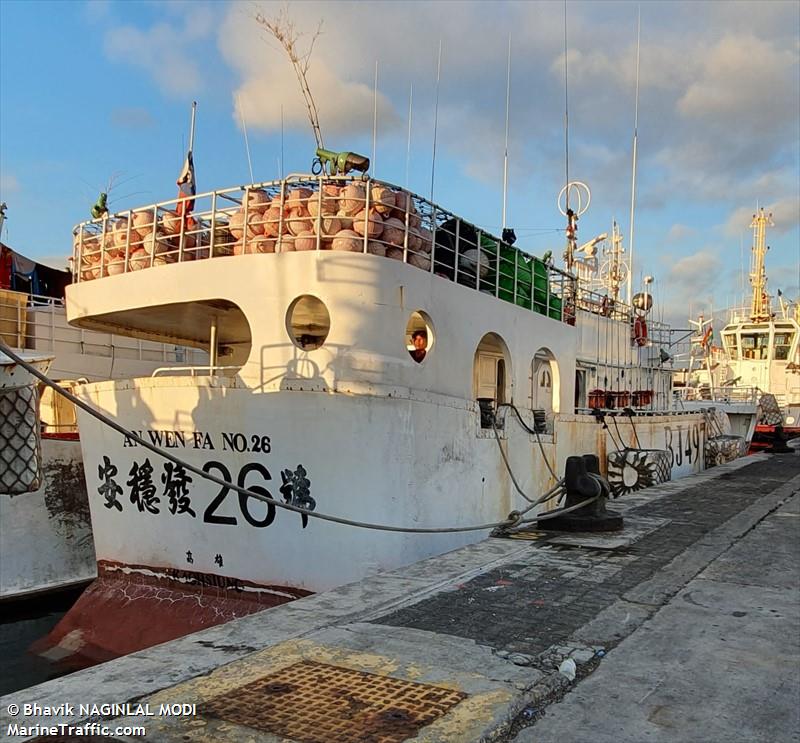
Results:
720 394
304 212
34 322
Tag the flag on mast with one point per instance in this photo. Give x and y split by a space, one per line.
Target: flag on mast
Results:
186 186
186 180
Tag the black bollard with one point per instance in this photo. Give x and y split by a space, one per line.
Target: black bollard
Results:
779 439
583 480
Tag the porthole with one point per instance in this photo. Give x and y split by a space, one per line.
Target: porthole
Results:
308 322
419 336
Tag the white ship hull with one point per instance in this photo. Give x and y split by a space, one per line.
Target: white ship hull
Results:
395 461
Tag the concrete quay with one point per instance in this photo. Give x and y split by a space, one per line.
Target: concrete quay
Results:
684 628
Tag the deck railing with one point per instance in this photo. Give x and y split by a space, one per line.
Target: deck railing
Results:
718 394
38 323
303 212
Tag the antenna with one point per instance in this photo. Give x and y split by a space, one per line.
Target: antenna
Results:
408 145
436 115
191 130
505 155
281 141
246 142
566 114
375 117
633 164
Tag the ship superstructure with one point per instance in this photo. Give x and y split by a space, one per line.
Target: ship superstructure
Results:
761 345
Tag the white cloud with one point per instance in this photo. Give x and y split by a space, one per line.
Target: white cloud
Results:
344 106
739 78
785 215
718 97
168 51
679 232
690 284
8 184
404 39
695 272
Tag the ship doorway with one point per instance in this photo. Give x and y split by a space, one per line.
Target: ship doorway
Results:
492 371
545 391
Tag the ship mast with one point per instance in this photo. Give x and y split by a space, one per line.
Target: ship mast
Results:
759 306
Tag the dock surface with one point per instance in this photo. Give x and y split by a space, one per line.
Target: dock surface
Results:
685 627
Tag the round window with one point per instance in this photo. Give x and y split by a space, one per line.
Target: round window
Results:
419 336
308 322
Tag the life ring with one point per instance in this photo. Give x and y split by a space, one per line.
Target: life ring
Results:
639 331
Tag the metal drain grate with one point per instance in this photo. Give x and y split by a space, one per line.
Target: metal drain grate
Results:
316 703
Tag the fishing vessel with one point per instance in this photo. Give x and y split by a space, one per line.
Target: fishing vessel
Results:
374 358
45 530
759 360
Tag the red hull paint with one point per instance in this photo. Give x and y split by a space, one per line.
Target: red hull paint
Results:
123 612
71 436
764 435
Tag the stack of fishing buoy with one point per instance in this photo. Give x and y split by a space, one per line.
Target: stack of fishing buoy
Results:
335 217
90 255
150 241
250 236
136 242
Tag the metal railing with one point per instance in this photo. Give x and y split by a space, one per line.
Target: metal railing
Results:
38 323
303 212
597 303
717 394
194 371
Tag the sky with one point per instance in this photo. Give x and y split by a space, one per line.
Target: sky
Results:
98 93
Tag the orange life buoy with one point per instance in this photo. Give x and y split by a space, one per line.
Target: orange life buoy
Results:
639 331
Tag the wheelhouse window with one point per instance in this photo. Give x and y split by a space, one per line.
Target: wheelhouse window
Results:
731 346
783 344
755 346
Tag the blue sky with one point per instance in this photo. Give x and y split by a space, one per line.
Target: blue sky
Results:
91 91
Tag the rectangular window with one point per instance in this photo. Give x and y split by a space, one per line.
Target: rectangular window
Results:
783 342
729 339
755 346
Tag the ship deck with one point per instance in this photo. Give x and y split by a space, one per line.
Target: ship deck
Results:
701 582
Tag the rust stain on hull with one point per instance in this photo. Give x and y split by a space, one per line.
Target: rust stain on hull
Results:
65 494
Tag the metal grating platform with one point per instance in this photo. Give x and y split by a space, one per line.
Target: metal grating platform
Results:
316 703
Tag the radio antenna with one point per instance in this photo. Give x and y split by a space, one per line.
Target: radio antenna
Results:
408 144
246 142
436 116
633 164
566 112
375 118
505 155
281 141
